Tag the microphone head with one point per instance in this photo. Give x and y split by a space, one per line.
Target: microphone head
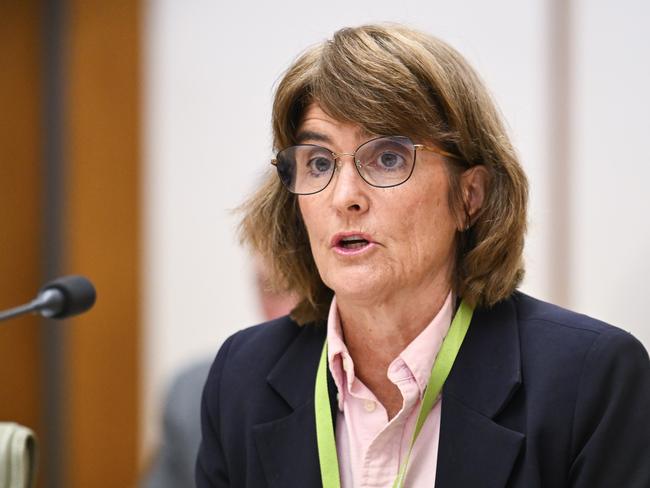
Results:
78 293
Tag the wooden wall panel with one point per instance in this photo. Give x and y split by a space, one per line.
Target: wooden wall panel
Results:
20 225
102 238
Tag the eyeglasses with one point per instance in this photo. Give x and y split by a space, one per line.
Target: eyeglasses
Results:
382 162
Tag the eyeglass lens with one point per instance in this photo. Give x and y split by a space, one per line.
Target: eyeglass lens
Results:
382 162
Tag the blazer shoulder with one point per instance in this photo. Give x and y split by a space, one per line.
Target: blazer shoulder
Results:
259 347
532 310
248 356
570 335
272 335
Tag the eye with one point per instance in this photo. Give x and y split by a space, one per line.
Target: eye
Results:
319 165
386 155
387 160
390 160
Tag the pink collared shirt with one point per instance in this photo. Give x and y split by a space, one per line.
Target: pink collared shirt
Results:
370 448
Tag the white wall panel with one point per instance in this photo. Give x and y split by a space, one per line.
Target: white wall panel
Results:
611 163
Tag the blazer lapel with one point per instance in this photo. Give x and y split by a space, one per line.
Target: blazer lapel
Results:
287 446
474 450
287 449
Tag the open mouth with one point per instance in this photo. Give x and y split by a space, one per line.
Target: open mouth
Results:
353 242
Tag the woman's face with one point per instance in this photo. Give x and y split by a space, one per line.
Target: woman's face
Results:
407 231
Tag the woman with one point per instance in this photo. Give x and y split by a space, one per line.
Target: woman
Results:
398 216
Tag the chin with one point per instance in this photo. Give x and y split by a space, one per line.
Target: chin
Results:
358 283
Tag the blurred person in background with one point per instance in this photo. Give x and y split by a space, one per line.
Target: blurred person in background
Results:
397 216
175 461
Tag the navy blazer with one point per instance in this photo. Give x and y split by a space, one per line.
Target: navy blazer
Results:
538 397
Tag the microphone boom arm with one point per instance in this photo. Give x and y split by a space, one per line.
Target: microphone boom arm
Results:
16 311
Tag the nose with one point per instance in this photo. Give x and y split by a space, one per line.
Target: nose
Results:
349 191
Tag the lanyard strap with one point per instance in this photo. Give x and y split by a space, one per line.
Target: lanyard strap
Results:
327 455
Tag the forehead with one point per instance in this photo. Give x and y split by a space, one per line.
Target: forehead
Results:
318 125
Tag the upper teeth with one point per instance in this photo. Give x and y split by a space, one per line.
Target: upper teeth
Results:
353 238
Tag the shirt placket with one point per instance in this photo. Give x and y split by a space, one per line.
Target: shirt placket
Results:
382 457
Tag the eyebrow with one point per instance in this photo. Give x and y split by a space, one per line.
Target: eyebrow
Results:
310 135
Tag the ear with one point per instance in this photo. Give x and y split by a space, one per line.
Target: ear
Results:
474 183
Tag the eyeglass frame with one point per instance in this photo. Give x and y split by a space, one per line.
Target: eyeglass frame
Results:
338 163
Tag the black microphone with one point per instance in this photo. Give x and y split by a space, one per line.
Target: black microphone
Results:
58 299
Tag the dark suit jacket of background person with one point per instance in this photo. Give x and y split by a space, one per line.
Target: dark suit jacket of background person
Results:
538 397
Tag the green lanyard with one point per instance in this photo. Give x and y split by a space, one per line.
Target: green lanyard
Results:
329 464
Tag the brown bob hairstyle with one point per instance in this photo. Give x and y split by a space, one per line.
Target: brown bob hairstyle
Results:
390 79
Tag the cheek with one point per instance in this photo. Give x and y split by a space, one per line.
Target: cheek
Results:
430 226
306 210
422 214
310 211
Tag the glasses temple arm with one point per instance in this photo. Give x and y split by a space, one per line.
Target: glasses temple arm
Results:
437 151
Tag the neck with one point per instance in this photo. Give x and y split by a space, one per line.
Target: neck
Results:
383 332
376 335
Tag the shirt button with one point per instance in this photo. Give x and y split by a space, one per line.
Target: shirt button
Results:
369 406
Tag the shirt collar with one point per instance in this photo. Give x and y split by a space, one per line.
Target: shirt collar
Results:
337 352
420 354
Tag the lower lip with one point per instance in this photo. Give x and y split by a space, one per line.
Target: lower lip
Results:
344 251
